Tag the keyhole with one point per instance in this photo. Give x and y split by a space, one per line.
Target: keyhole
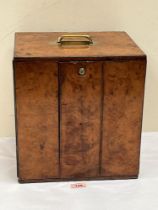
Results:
81 71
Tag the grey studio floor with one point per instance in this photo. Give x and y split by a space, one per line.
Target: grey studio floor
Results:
138 194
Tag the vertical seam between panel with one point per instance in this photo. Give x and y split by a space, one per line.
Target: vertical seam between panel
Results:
59 119
101 118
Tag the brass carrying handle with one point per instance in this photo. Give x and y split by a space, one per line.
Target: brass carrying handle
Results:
62 39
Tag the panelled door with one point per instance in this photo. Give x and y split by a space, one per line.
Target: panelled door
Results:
36 90
80 118
122 117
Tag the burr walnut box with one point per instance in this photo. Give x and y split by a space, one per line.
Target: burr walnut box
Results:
79 105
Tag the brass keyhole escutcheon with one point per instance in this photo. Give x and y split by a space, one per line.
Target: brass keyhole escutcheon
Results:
82 71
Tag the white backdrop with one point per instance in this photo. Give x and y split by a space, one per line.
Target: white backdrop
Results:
138 18
137 194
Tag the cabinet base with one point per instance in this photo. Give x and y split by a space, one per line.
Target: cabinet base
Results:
77 179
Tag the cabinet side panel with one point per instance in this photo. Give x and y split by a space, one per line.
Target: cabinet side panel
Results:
122 117
80 119
36 90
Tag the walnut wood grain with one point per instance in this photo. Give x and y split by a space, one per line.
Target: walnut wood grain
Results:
122 117
73 127
80 119
36 88
105 44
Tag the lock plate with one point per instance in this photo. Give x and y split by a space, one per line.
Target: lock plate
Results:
81 71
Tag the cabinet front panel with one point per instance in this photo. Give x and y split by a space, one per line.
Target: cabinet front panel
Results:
80 114
122 117
36 90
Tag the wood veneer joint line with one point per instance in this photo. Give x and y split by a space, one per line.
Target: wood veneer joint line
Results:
59 119
101 117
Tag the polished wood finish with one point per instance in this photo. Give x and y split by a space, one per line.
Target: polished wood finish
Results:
122 117
105 44
78 127
80 120
36 88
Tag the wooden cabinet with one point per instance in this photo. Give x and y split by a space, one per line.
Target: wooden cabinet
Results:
78 106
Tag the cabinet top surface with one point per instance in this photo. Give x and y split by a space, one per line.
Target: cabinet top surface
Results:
44 45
